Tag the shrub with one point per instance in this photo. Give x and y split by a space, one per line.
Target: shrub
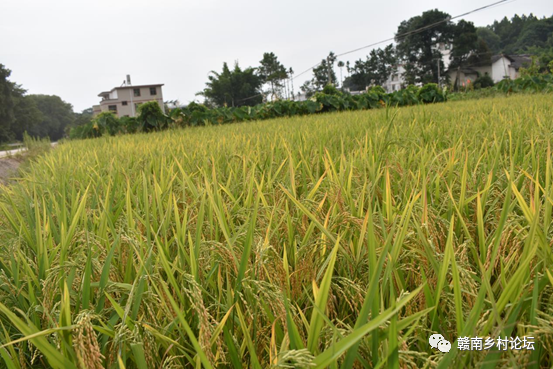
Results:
129 124
151 117
430 93
109 123
331 90
483 82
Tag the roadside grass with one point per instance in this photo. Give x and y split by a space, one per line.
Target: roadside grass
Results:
36 146
329 241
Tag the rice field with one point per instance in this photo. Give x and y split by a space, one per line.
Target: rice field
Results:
329 241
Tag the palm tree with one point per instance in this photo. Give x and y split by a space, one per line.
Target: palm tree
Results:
341 65
291 74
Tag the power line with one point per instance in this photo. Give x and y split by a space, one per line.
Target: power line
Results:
400 36
403 35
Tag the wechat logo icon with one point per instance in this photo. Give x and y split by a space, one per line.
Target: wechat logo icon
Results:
437 341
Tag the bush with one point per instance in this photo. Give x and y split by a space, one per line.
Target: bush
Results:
430 93
108 122
407 96
151 117
329 89
483 82
129 124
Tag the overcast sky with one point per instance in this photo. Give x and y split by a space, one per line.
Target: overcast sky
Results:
76 49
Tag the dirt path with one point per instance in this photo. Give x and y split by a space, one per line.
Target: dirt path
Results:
8 168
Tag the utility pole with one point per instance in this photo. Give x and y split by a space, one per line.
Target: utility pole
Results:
328 68
291 72
439 79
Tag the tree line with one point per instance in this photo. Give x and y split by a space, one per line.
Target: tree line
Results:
38 115
247 87
415 50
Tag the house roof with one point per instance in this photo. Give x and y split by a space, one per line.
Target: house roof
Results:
127 87
520 60
517 61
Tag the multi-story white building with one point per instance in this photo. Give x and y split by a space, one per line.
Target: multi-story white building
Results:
396 81
124 100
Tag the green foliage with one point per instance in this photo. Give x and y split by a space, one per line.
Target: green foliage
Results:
272 72
518 34
234 88
430 93
468 48
330 90
27 115
129 124
108 122
528 84
376 69
56 115
483 82
323 74
418 48
151 117
532 70
406 96
8 93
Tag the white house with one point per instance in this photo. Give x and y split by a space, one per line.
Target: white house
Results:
507 66
501 67
396 81
124 100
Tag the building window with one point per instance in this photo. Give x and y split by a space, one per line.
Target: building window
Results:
153 91
124 103
136 92
112 108
136 107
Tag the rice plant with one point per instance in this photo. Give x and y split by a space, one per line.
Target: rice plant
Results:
341 240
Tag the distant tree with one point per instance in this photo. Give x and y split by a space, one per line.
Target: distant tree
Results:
8 93
375 69
235 87
465 42
490 38
341 66
291 74
324 73
27 116
38 115
273 73
509 31
418 48
468 49
518 34
521 35
536 33
308 88
56 115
